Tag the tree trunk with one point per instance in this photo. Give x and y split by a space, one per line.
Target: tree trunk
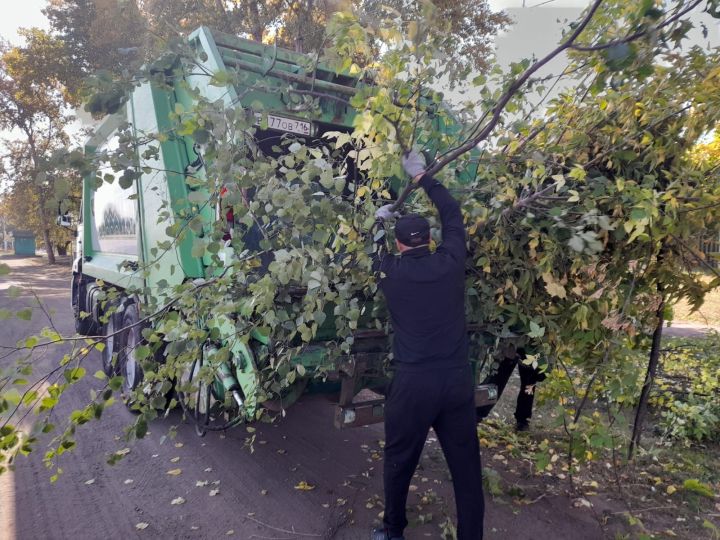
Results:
254 16
304 18
41 201
649 378
45 226
48 245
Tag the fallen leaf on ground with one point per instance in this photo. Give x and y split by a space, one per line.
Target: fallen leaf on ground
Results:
91 481
128 481
201 483
174 472
123 452
141 526
209 469
179 445
304 486
175 459
178 500
214 492
578 503
230 532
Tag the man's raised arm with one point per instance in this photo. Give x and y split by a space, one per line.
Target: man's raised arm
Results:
453 230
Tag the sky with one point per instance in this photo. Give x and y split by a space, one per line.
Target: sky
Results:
27 16
504 4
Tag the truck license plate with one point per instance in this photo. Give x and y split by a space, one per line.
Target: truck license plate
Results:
290 125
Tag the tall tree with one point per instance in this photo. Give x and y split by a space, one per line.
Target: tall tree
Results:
96 35
28 202
463 30
32 105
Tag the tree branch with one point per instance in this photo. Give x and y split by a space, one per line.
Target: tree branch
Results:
637 35
510 92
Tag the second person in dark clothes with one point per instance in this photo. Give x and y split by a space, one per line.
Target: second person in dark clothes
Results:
433 384
529 377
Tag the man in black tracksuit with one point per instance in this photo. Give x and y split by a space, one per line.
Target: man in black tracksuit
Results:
433 384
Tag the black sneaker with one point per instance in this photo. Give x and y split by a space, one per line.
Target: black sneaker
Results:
383 534
522 426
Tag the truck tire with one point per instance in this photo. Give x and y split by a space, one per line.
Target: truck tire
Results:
129 365
83 326
113 345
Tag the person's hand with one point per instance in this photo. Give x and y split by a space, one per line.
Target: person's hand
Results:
414 164
386 213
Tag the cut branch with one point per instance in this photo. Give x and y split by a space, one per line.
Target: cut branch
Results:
516 85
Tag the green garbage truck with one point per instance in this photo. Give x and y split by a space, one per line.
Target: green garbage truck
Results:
123 222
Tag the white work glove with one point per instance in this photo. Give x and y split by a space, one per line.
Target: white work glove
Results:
414 163
385 213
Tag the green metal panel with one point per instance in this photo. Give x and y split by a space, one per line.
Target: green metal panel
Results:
175 159
155 197
107 267
273 68
87 210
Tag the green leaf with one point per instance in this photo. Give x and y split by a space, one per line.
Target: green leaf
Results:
4 269
577 243
198 248
13 396
619 56
14 291
24 314
696 486
313 284
127 179
74 374
141 428
536 331
197 196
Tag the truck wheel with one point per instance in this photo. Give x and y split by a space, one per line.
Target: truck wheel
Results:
113 346
84 327
130 368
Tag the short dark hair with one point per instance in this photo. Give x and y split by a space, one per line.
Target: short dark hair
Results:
412 230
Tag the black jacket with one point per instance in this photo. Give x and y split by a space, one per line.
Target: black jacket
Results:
425 293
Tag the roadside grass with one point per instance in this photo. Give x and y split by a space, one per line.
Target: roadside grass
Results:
671 490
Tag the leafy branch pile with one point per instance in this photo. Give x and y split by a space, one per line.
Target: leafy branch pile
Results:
582 217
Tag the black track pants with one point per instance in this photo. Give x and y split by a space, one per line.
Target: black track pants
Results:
444 400
529 377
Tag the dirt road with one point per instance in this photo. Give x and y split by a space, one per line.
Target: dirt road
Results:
227 490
